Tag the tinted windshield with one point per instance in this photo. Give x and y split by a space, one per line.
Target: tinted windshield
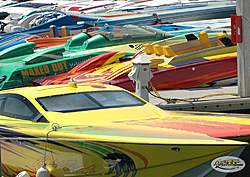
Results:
88 100
129 33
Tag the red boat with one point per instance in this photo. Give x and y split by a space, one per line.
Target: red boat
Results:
197 68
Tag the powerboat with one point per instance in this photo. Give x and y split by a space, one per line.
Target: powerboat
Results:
196 63
17 10
75 130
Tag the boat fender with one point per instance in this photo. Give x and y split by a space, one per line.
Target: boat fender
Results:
23 174
43 172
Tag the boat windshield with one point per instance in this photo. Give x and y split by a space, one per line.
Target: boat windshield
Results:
128 33
89 101
33 5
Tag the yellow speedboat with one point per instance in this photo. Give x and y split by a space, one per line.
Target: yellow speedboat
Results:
99 130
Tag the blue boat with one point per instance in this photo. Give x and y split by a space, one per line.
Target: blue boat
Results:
150 18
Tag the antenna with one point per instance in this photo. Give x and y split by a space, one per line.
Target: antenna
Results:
43 171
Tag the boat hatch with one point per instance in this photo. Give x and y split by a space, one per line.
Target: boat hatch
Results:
45 55
18 50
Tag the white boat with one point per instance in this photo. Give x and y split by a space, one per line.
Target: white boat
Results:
158 4
95 7
20 9
4 14
91 6
33 19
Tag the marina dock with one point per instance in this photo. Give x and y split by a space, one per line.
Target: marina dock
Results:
210 99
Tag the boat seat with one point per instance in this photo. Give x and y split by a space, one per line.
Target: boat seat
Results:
204 40
222 35
148 49
168 52
7 28
158 50
53 31
156 61
65 31
25 21
21 25
194 45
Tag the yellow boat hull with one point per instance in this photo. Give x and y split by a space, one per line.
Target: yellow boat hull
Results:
104 158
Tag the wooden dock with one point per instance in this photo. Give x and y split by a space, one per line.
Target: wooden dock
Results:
210 99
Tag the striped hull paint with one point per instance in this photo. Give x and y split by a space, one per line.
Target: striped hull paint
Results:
199 74
193 75
86 157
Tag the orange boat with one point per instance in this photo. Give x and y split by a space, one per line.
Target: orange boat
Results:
117 35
